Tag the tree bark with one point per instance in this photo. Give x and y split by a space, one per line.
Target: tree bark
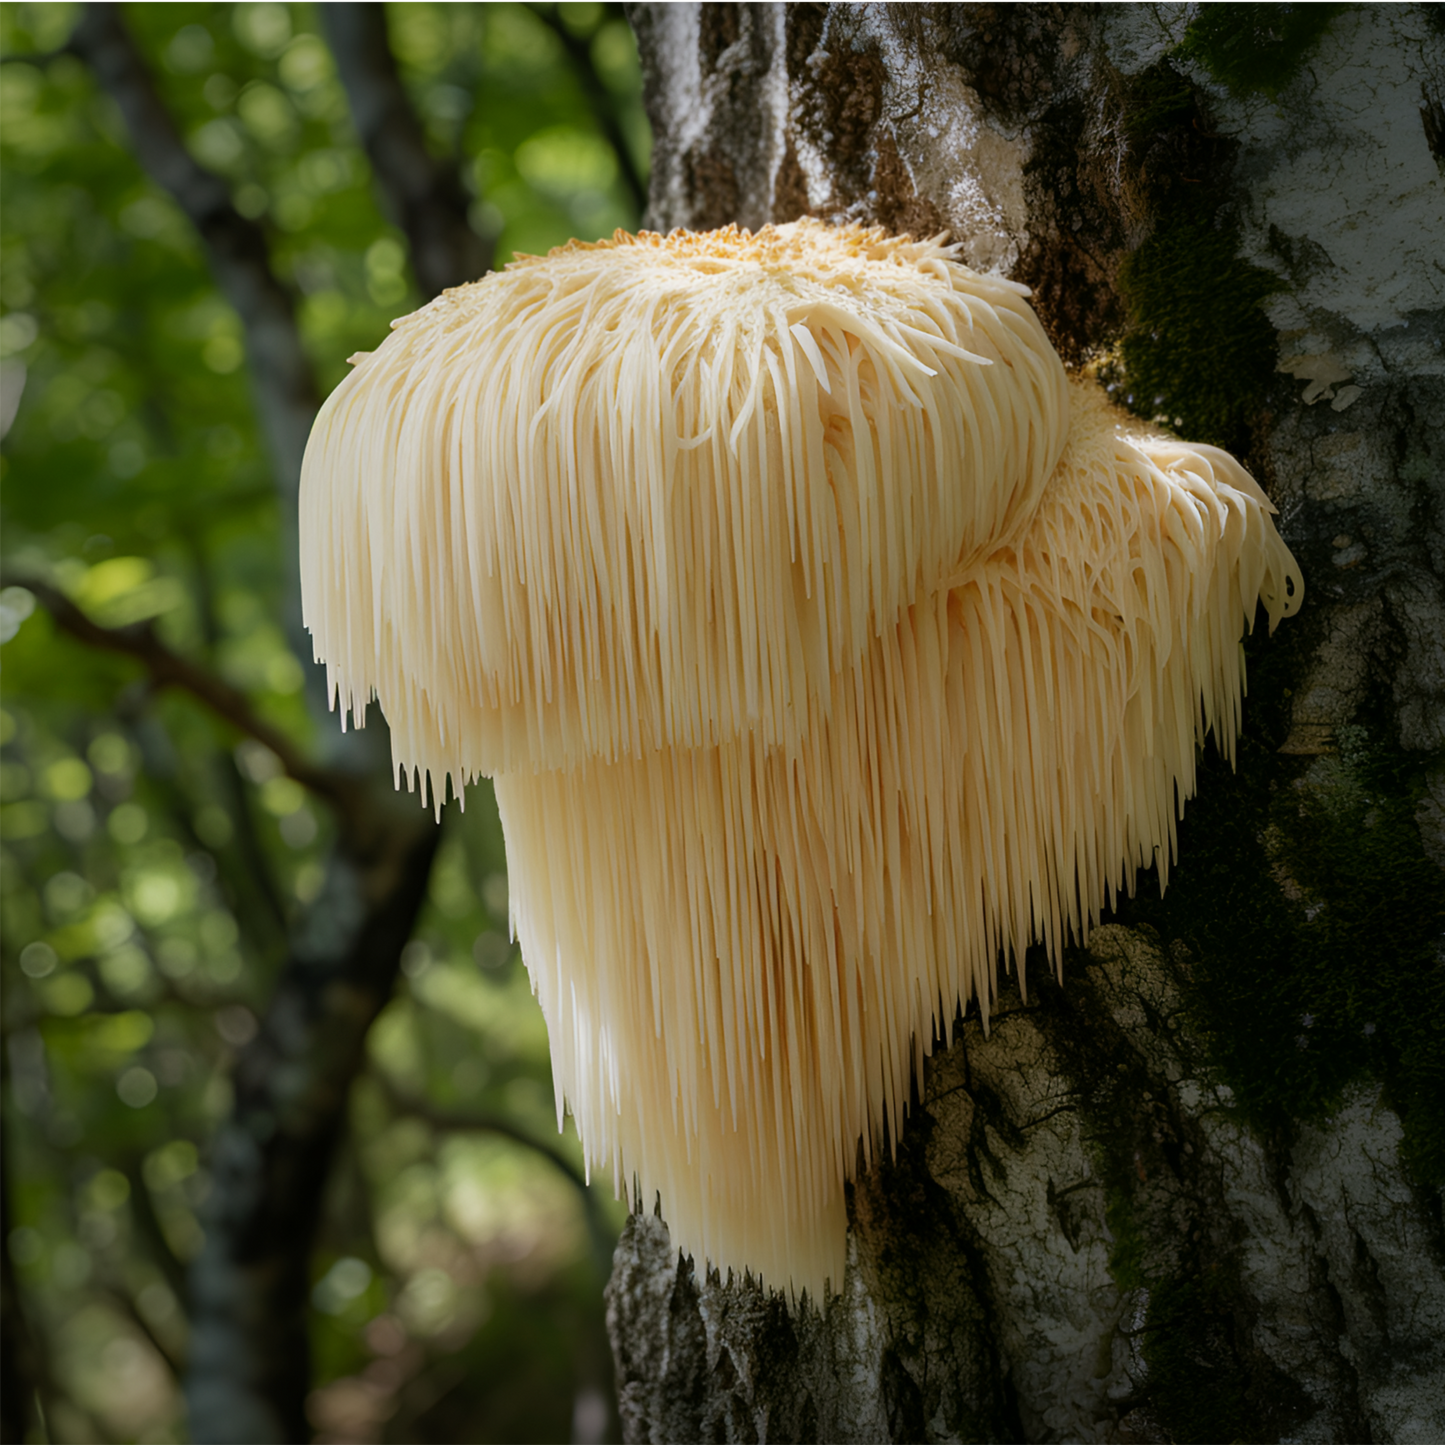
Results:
250 1287
1193 1193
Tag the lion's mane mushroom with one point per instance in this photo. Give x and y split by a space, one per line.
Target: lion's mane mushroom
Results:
748 902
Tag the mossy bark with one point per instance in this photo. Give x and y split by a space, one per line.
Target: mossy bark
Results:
1194 1191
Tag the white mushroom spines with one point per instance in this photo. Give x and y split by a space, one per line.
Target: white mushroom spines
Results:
655 492
749 888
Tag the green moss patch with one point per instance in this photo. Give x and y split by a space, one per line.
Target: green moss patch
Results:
1194 1378
1200 352
1193 1344
1255 48
1315 919
1197 352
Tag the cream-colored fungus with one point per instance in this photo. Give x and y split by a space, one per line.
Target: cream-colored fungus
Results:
748 905
655 491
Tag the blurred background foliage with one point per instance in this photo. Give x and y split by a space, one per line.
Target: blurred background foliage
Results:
152 855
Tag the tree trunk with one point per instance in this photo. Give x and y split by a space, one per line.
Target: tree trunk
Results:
249 1369
1192 1193
22 1382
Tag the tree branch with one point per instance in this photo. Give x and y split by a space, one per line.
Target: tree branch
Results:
166 668
479 1121
425 194
239 257
599 101
258 873
281 377
250 1286
36 57
121 1298
486 1122
249 1359
282 381
148 1225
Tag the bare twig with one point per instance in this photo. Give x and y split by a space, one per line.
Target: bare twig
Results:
486 1122
424 193
167 668
121 1298
148 1224
479 1121
36 57
599 102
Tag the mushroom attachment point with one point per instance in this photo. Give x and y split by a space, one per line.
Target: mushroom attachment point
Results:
825 642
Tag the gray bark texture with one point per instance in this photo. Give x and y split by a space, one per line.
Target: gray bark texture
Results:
1192 1191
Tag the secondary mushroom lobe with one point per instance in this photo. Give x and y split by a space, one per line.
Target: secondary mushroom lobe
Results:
790 932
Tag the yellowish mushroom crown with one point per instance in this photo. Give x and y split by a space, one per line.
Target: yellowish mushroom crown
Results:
656 491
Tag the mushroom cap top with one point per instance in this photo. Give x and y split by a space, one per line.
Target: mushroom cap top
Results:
657 490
